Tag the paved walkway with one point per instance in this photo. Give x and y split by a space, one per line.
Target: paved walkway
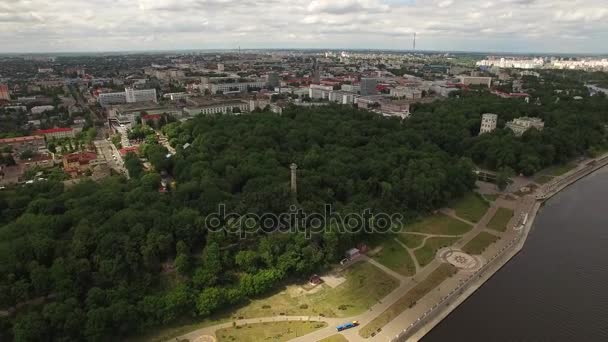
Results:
406 283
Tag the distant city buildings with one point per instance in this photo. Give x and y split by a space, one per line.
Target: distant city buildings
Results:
521 125
130 95
545 63
488 123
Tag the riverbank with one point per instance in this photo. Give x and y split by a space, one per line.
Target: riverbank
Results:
534 203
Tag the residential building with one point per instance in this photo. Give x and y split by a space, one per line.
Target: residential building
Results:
521 125
4 93
217 107
130 95
233 85
21 144
79 162
176 96
41 109
351 88
56 133
472 81
488 123
406 93
368 86
317 91
43 160
341 97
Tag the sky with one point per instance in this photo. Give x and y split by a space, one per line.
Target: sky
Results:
564 26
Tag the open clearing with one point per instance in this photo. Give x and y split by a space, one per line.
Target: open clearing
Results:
409 299
471 207
439 224
395 257
426 254
501 219
275 331
479 243
365 284
411 240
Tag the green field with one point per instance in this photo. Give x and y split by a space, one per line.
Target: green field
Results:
365 285
411 240
409 299
426 254
439 224
501 219
274 331
479 243
395 257
334 338
471 207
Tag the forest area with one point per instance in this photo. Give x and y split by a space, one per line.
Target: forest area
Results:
115 258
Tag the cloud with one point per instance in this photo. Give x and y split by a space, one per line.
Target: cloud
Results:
67 25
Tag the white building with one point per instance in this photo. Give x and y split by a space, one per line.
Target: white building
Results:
130 95
488 123
318 91
520 125
41 109
406 93
226 87
342 97
217 107
470 80
176 96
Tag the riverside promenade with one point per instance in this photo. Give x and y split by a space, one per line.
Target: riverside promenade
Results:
530 204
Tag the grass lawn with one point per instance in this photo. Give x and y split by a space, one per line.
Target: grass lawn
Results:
439 224
411 240
409 299
426 254
501 219
542 179
365 284
558 170
335 338
274 331
471 207
395 257
479 243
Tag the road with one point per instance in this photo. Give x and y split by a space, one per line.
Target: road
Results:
111 155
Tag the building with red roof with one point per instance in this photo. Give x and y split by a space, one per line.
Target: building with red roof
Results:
21 144
125 150
77 163
65 132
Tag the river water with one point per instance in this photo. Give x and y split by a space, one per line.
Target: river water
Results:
556 288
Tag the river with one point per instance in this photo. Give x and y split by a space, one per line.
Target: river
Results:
556 288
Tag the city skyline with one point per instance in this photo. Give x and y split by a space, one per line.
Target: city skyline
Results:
519 26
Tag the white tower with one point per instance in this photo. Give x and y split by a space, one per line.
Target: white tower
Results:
294 180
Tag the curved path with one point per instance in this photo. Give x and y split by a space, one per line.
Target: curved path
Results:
406 284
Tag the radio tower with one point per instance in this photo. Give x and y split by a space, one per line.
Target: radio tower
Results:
414 41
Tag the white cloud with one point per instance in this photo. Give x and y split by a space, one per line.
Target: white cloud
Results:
42 25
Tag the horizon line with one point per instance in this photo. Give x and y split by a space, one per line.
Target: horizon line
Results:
306 49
